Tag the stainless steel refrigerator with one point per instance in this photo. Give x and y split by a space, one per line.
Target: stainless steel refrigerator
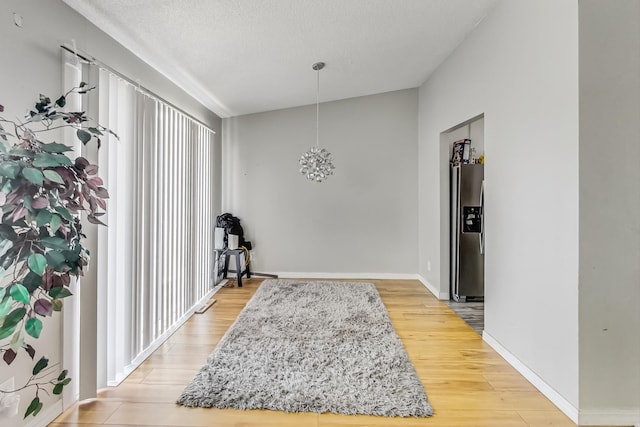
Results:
467 232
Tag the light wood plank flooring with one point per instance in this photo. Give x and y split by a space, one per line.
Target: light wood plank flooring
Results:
467 383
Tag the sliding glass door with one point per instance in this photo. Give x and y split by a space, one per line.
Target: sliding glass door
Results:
152 264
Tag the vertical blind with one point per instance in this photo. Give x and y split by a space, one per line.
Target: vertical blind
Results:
155 257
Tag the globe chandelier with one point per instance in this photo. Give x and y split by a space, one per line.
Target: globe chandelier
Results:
317 163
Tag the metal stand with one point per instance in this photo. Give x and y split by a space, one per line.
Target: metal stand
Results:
226 253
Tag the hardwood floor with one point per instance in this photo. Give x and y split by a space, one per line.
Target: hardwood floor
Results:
467 383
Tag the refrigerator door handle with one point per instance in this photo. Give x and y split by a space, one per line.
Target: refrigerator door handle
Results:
458 219
481 235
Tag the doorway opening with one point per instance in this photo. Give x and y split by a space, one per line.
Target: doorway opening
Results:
462 214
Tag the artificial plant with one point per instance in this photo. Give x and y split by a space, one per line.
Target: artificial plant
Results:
42 194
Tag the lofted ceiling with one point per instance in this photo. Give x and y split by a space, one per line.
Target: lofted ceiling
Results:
245 56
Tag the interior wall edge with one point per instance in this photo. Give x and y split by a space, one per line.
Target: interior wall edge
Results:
442 295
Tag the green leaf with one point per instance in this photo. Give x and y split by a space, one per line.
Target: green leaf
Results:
56 259
54 242
53 176
7 232
14 317
64 213
33 327
37 263
3 291
71 256
43 217
47 160
57 389
33 175
5 307
32 281
20 293
59 293
33 407
95 131
6 331
66 381
56 148
17 341
40 365
21 152
61 102
9 169
83 136
27 203
57 304
63 375
55 223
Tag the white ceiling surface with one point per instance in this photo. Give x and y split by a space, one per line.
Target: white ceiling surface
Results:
245 56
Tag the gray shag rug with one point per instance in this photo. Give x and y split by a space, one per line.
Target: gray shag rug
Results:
311 347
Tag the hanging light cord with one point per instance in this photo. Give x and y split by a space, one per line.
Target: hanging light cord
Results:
318 107
317 164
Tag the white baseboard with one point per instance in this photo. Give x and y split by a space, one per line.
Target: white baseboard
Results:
556 398
591 417
346 276
46 415
444 295
619 417
441 295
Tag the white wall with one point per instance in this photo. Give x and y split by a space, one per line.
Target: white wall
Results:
609 211
32 65
522 75
360 220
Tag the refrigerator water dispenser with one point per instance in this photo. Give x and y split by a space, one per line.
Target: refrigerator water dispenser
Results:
471 219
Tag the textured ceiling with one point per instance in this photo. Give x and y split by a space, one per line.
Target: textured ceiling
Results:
245 56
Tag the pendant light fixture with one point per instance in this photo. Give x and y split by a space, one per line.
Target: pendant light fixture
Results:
317 163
